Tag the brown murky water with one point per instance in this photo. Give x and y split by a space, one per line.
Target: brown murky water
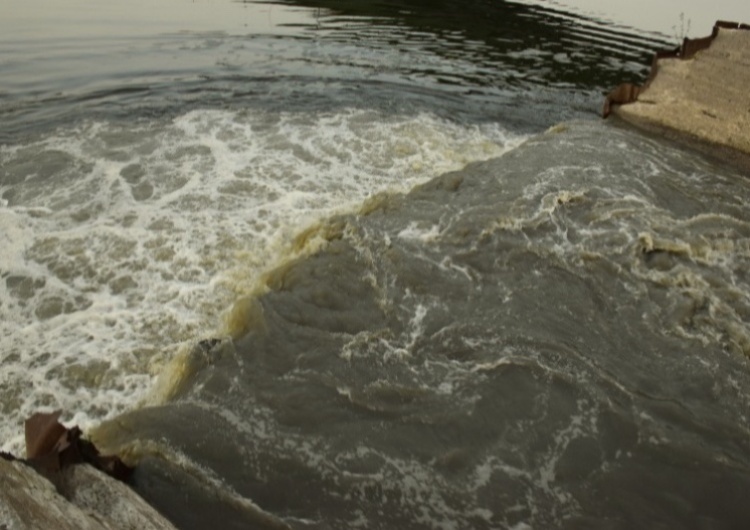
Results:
322 266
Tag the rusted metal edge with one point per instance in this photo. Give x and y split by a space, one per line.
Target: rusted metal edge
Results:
50 447
629 92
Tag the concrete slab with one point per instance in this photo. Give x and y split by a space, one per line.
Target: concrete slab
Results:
701 90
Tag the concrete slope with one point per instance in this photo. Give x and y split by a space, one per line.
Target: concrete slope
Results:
701 90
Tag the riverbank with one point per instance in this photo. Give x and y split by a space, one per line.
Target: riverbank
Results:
697 92
84 499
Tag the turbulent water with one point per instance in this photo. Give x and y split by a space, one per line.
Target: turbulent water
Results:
151 230
327 266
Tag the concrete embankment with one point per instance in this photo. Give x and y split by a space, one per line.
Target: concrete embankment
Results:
698 92
84 499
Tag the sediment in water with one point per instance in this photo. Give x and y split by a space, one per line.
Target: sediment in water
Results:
548 331
87 499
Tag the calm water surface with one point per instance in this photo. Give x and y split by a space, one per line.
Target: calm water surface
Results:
323 266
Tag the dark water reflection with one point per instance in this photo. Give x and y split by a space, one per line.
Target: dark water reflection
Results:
509 43
526 65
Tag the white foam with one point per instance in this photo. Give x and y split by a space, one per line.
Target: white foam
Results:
124 242
415 232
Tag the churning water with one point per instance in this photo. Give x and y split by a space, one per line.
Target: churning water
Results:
327 266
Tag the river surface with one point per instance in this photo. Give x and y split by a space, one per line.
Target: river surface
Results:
337 264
